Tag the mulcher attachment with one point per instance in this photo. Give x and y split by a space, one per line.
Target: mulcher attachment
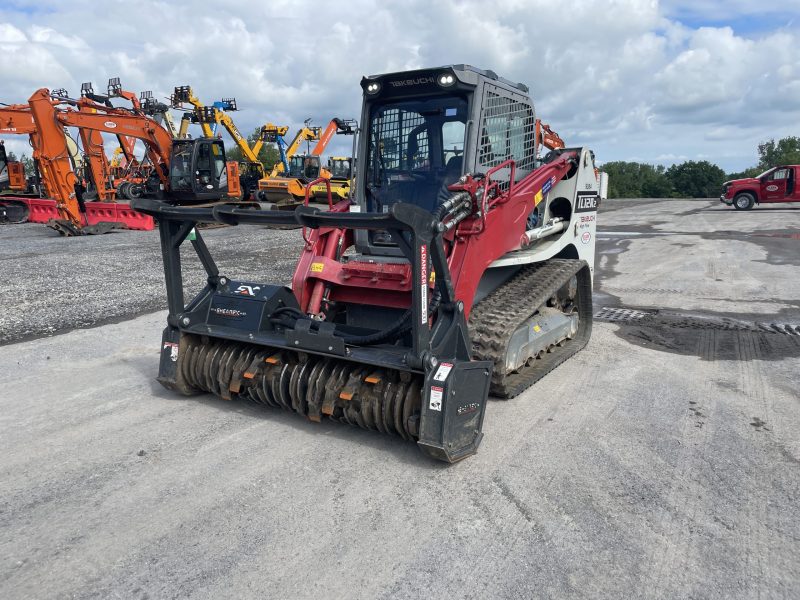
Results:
249 340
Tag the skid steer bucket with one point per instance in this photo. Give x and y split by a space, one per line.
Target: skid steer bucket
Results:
251 340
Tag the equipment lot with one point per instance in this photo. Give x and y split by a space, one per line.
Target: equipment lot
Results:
663 461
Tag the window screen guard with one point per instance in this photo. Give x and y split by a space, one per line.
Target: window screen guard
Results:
507 131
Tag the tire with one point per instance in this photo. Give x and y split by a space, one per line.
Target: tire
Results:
744 201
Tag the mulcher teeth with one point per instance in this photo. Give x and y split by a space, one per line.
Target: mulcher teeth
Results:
372 398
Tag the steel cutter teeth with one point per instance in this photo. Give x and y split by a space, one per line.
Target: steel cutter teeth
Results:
371 398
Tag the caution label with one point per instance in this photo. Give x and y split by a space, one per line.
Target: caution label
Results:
436 398
443 371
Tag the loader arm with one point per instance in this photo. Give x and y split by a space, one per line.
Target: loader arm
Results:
271 133
222 118
326 136
185 95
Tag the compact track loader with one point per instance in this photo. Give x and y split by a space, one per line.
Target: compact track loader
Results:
462 266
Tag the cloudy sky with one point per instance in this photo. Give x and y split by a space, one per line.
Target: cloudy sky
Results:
642 80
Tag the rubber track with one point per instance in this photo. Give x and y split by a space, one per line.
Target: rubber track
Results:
496 317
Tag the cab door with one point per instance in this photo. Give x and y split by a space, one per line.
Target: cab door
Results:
210 175
792 186
773 188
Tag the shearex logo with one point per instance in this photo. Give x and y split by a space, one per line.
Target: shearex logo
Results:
586 202
409 82
231 313
247 290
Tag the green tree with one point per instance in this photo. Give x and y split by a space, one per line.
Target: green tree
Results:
11 157
636 180
28 164
751 172
696 179
785 151
268 155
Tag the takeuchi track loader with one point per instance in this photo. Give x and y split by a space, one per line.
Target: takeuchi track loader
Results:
462 266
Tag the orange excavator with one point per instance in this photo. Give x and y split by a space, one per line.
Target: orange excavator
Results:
184 171
288 190
547 137
15 203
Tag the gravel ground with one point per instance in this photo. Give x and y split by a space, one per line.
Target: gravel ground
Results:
644 467
57 283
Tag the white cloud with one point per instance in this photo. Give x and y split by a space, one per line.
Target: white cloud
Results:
628 77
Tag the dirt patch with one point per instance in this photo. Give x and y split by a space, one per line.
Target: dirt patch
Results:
713 337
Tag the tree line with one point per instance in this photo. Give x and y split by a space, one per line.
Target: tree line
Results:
692 179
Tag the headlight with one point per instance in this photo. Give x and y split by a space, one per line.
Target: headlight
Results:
445 79
373 87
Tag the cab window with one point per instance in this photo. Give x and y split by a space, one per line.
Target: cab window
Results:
452 140
219 159
780 174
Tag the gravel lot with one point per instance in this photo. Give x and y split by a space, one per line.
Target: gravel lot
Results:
662 462
58 283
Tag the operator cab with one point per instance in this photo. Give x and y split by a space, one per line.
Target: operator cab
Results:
339 168
425 129
305 167
198 170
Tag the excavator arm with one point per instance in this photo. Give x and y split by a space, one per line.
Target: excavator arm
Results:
93 148
18 119
88 93
547 137
52 153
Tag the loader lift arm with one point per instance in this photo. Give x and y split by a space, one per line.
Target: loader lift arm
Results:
182 95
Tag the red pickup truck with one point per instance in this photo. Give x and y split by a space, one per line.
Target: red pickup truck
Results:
778 184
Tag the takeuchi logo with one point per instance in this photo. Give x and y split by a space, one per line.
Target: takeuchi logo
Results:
408 82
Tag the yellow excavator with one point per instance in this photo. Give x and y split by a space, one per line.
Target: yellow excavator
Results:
287 190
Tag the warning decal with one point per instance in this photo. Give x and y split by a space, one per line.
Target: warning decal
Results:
443 371
436 398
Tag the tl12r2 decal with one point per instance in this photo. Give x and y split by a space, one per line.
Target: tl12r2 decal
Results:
587 202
